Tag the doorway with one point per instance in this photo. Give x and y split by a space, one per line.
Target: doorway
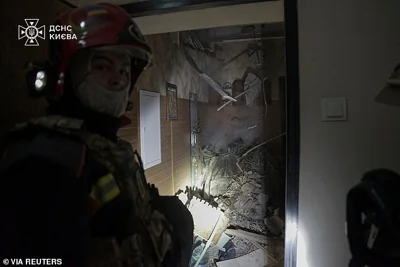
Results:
229 89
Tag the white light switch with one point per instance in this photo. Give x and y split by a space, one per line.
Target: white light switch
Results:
334 109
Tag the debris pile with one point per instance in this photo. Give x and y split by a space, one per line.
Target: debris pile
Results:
234 179
238 186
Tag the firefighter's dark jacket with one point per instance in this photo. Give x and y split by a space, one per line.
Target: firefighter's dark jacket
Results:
46 178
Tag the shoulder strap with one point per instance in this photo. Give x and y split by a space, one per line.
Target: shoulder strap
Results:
46 137
58 149
53 122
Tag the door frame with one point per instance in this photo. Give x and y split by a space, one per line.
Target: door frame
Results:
292 132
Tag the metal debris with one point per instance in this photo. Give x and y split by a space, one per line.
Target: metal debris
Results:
259 145
249 89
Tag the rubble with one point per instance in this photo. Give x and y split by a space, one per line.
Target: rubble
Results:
262 199
238 190
244 243
249 236
257 258
234 179
240 221
243 246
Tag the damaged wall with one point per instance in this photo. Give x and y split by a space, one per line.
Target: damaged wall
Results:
169 65
238 121
221 128
247 181
218 128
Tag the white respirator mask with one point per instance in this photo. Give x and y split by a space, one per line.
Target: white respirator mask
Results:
93 95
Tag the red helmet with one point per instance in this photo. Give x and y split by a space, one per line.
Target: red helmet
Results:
98 25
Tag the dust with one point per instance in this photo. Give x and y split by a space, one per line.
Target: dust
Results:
220 128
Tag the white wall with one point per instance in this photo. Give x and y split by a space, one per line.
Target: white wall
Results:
347 48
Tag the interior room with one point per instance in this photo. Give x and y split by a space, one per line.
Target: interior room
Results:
266 175
208 120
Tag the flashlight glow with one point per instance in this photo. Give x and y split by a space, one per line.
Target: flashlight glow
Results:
40 75
38 84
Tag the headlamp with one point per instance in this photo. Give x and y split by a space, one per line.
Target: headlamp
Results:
40 79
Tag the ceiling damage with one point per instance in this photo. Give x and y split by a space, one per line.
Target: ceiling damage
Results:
207 42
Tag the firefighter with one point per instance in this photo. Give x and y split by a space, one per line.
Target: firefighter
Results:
72 190
373 205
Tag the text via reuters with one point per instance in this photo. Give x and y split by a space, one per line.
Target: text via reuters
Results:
32 262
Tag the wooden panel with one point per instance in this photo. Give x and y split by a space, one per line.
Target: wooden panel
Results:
159 173
181 146
182 173
174 170
165 187
131 132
